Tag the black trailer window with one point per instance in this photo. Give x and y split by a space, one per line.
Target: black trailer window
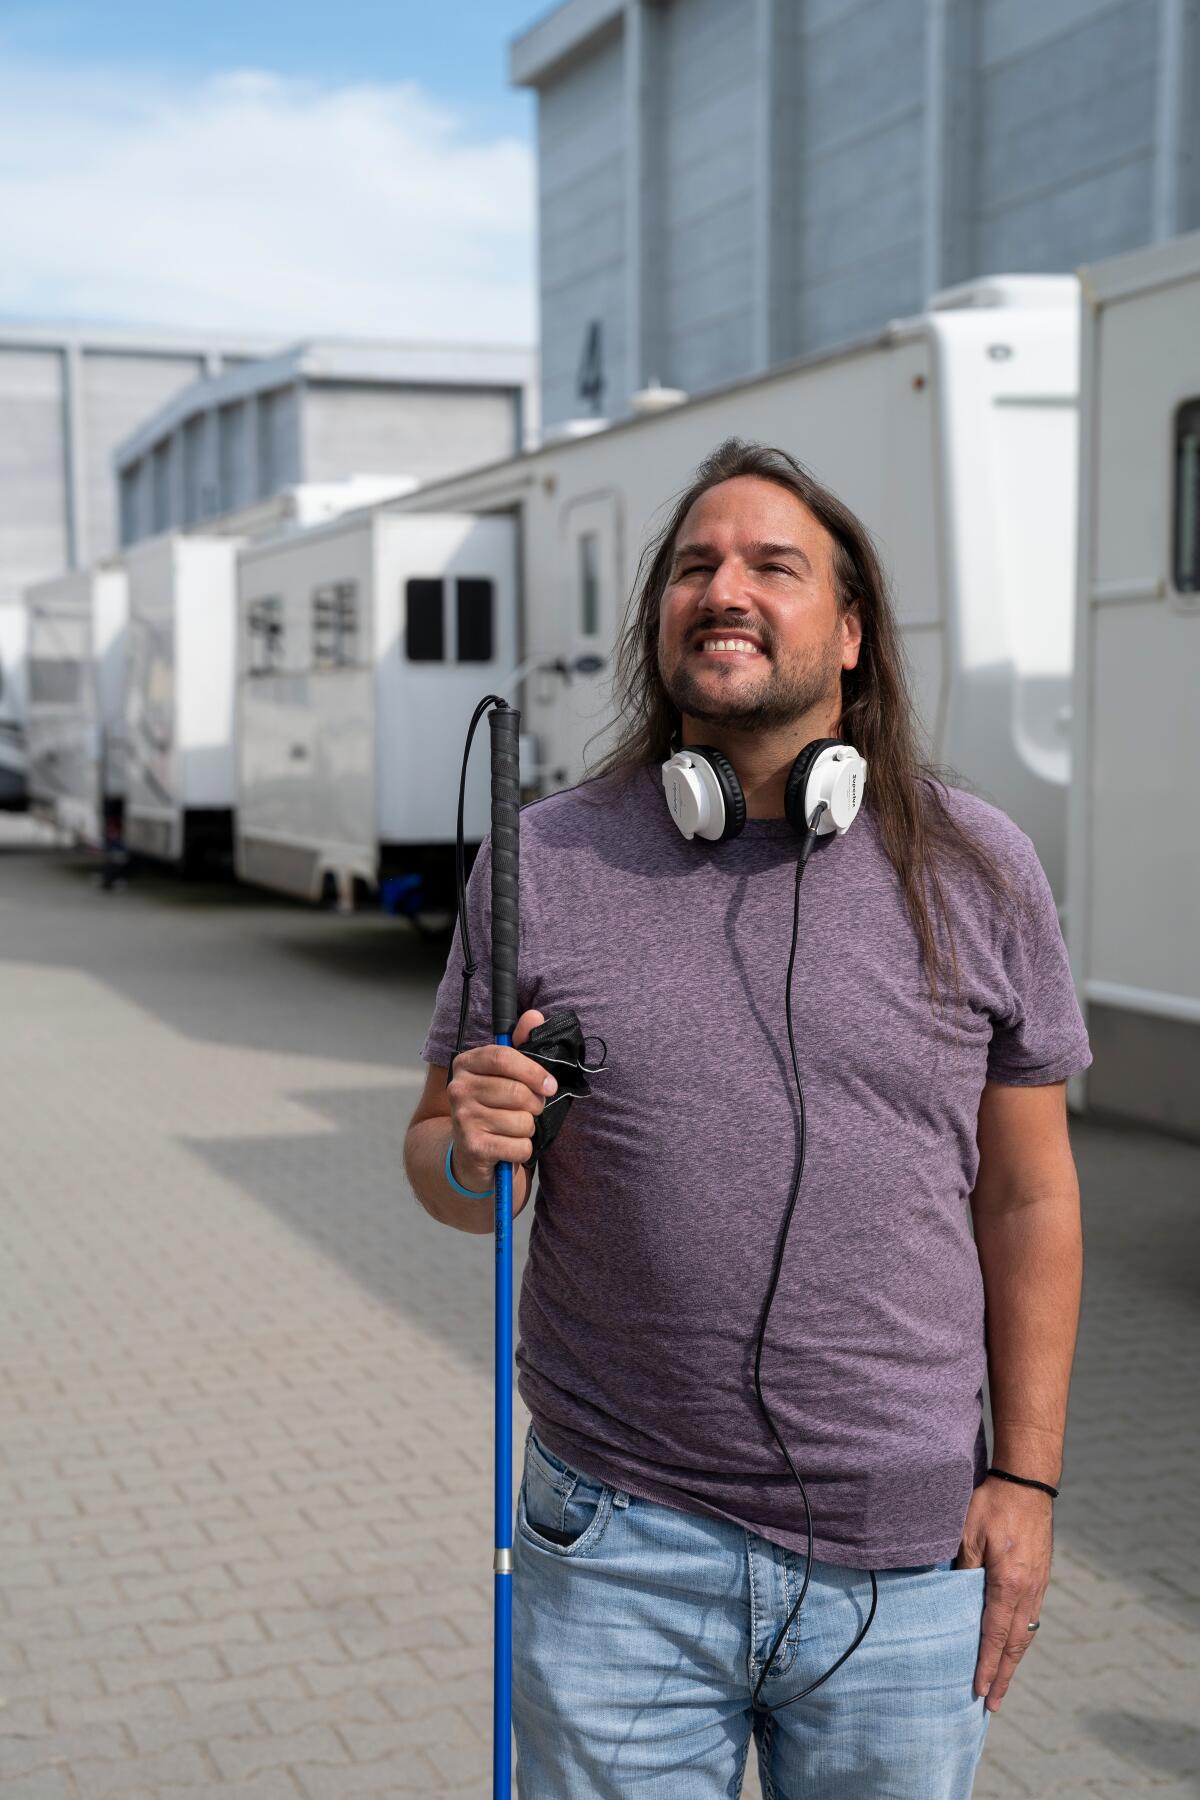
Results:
335 625
589 584
424 619
1187 498
264 635
474 619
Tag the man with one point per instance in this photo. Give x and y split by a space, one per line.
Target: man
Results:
661 1538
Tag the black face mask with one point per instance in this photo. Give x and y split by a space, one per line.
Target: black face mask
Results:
559 1046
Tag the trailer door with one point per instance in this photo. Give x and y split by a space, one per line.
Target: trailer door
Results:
590 560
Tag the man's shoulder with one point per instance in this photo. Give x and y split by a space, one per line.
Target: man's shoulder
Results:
578 814
990 825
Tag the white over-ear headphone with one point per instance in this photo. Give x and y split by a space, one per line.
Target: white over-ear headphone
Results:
706 800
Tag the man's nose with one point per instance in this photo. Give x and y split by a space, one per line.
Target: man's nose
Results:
725 587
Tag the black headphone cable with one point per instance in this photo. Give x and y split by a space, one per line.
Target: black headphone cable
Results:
806 847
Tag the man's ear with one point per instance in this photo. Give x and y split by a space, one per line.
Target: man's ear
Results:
851 622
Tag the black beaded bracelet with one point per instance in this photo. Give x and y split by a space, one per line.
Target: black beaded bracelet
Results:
1024 1481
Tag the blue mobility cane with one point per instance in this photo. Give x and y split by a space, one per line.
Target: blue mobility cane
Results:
506 802
559 1046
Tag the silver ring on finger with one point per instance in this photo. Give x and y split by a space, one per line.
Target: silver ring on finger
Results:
1033 1625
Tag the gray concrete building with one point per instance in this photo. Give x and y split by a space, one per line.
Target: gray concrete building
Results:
726 185
68 395
321 412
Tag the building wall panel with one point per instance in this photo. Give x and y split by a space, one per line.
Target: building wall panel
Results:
1098 217
33 487
854 175
1065 100
352 429
278 440
581 149
119 391
1047 120
706 202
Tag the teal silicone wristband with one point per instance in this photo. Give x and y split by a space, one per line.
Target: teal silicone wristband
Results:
457 1185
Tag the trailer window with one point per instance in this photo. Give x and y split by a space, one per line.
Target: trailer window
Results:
264 633
474 619
335 625
589 584
424 619
54 680
1187 498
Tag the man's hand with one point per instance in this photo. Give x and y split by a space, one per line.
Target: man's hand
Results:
495 1095
1009 1529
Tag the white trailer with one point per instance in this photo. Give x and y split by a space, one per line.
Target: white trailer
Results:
13 704
180 698
953 435
1134 872
77 659
364 646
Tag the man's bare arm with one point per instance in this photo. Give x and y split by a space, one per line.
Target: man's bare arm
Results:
489 1108
1027 1232
1029 1239
429 1132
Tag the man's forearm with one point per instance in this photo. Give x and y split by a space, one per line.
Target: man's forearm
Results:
425 1165
1032 1262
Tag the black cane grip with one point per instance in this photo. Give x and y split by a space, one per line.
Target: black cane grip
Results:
506 843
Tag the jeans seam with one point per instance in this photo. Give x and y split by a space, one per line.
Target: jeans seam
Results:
740 1773
768 1783
753 1604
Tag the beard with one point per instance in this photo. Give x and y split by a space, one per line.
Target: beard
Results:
785 696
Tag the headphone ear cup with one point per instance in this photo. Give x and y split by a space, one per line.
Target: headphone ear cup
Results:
730 786
797 782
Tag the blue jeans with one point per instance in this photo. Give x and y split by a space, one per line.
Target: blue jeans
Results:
639 1633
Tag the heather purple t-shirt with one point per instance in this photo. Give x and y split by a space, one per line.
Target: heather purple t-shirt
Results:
660 1202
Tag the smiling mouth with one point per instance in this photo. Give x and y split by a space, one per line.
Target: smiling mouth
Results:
726 650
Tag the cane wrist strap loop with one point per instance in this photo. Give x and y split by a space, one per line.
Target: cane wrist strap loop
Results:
1026 1481
457 1185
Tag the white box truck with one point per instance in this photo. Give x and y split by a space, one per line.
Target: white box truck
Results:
180 698
1134 874
953 435
77 626
364 646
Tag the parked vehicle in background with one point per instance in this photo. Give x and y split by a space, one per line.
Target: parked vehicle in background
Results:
953 435
1134 876
13 787
364 646
77 626
180 694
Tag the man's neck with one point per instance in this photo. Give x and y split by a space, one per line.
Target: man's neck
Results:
762 760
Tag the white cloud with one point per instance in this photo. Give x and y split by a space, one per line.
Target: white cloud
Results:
249 201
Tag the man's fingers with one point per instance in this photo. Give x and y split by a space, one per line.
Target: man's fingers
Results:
528 1021
506 1091
1018 1643
998 1612
1004 1640
502 1059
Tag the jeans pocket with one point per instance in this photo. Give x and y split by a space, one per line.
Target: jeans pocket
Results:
560 1508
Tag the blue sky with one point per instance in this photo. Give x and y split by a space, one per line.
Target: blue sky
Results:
456 51
357 168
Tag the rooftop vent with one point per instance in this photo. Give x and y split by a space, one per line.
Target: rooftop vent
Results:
655 398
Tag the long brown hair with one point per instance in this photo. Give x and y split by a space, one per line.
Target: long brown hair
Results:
916 828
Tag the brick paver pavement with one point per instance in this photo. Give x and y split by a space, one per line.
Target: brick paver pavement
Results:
245 1386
